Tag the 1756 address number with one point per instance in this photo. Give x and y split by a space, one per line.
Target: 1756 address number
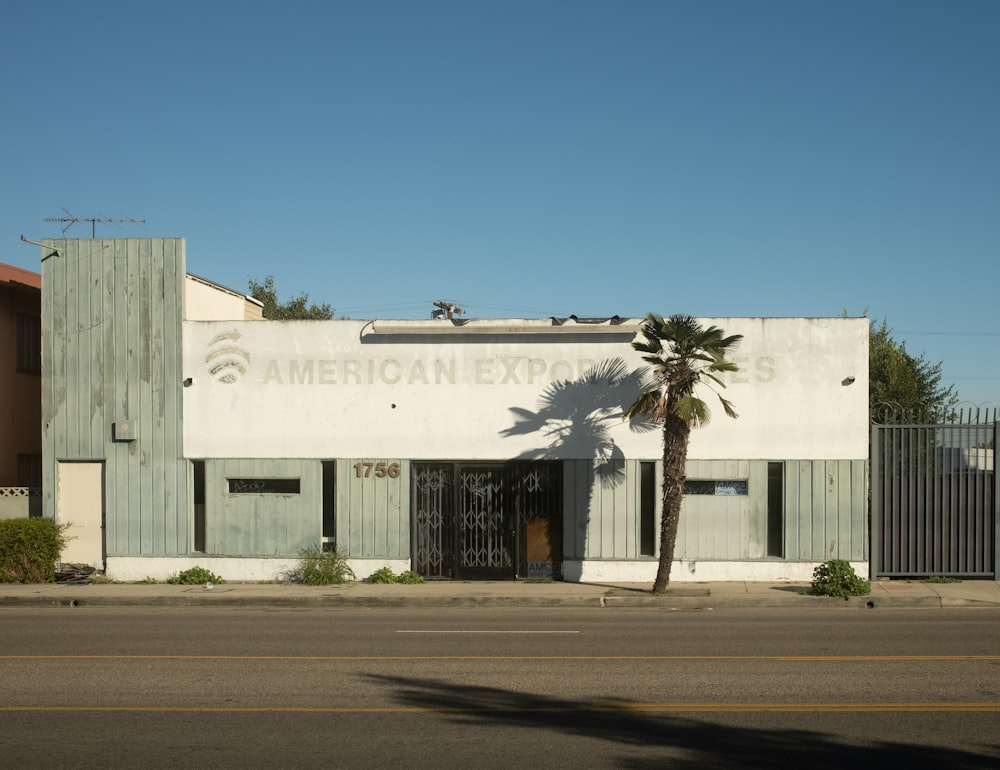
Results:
378 469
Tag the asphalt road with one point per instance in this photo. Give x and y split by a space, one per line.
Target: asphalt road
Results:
512 688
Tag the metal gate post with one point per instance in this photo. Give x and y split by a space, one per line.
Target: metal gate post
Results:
875 513
996 505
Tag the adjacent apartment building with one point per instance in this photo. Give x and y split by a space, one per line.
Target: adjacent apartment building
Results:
20 392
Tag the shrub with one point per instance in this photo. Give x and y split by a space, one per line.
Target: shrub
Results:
410 577
196 576
29 549
837 578
386 575
317 567
382 575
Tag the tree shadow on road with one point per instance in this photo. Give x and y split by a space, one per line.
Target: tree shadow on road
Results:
686 742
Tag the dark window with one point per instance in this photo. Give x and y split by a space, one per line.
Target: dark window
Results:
647 508
329 505
775 509
198 493
719 487
29 470
263 486
29 344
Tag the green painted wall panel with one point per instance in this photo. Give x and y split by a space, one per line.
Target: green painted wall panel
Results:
825 504
373 511
572 538
790 496
826 510
264 523
111 319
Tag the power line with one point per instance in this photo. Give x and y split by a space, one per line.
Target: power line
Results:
953 334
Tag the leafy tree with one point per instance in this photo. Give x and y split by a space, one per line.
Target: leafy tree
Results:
911 386
681 354
295 309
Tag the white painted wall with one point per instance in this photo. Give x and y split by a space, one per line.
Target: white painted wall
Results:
332 389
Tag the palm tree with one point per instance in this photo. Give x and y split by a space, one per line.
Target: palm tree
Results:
681 354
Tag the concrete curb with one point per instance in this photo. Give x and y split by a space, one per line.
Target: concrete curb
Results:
667 602
704 596
299 601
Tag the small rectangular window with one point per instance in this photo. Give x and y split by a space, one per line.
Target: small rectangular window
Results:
263 486
29 344
720 487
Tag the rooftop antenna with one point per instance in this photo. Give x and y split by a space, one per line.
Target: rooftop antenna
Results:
71 220
446 308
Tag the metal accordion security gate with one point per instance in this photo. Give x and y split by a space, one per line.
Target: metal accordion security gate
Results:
487 521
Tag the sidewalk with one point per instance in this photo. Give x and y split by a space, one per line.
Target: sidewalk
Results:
690 596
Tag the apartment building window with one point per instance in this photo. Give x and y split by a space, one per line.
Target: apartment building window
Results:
29 344
29 470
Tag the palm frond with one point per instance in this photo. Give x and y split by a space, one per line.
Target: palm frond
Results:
650 404
728 406
693 411
681 353
709 376
723 365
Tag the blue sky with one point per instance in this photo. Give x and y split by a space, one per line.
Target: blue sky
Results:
527 159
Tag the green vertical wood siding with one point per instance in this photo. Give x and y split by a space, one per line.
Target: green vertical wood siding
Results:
825 512
264 524
111 330
373 513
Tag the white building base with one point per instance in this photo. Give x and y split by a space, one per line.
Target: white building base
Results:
593 571
128 569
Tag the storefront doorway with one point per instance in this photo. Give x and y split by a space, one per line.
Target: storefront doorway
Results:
487 521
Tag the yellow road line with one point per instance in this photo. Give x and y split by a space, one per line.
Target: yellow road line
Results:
595 707
792 658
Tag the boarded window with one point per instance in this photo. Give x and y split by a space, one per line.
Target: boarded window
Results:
715 487
263 486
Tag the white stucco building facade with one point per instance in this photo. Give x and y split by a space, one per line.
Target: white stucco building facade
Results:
478 448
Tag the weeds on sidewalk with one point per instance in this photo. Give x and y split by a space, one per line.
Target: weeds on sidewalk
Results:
386 575
195 576
317 567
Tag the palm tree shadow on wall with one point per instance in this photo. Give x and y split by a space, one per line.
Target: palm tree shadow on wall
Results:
574 418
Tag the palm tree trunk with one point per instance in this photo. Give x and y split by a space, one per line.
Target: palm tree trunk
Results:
676 433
